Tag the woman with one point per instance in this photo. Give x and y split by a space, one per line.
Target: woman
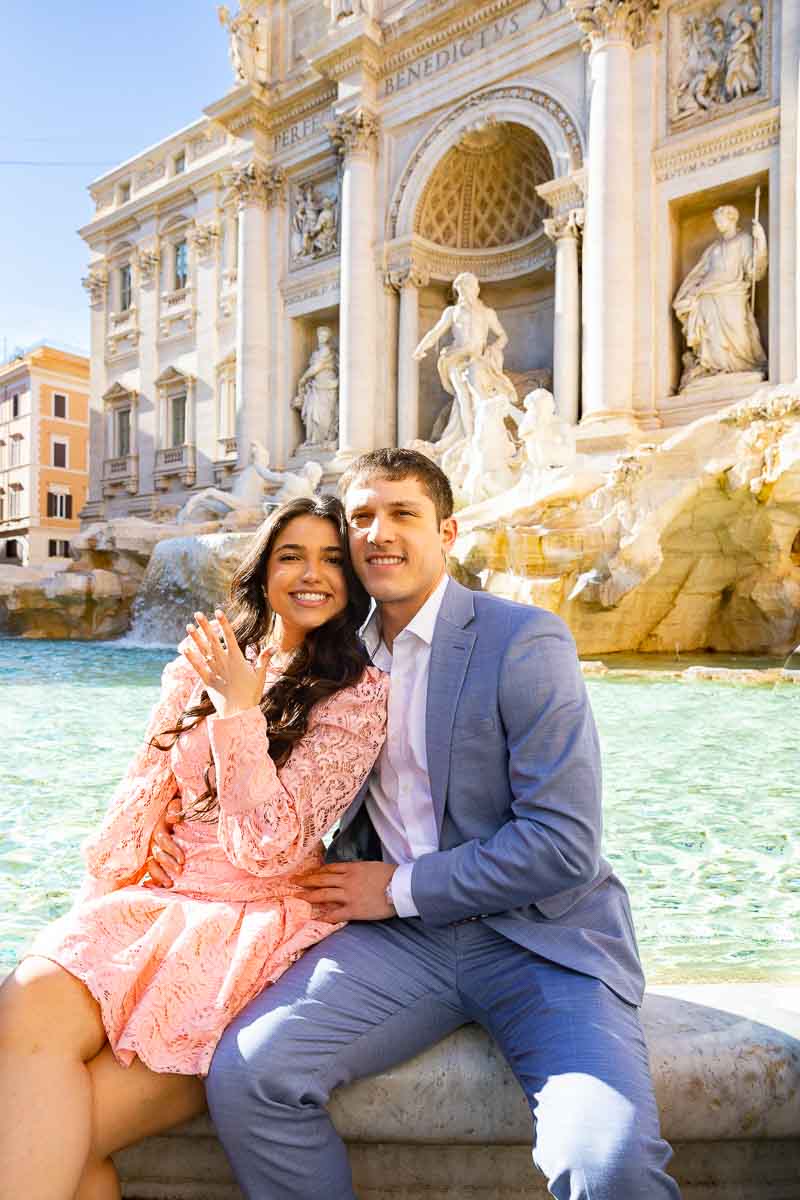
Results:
106 1027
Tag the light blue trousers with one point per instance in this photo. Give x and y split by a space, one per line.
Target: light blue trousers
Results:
373 995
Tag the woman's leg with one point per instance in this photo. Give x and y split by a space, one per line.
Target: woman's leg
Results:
128 1104
50 1027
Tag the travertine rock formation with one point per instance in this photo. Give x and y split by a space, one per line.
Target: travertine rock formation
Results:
692 544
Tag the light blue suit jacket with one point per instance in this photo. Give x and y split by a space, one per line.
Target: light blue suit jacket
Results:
514 767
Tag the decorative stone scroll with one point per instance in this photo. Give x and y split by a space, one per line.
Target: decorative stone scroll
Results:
411 276
718 57
565 224
96 284
148 263
203 239
354 133
614 20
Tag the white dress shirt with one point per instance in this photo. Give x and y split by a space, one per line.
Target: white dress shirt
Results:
399 800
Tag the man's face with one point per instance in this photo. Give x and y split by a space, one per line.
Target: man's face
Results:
397 544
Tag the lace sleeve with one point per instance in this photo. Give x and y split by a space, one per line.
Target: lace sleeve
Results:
118 851
270 819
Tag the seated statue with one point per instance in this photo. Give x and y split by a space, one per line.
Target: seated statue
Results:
713 302
293 485
246 495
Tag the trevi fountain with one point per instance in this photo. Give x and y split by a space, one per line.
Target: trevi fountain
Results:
553 244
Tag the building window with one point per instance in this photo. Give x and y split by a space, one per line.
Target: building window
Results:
178 419
2 505
2 455
16 450
14 500
59 454
59 405
181 266
58 548
179 163
14 549
123 432
125 287
14 406
124 192
59 504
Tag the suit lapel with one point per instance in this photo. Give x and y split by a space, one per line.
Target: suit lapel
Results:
450 654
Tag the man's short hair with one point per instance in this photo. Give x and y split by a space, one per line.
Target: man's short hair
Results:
393 463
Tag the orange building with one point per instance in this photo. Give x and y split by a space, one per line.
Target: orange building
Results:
44 449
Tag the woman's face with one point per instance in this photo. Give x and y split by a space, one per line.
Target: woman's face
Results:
305 575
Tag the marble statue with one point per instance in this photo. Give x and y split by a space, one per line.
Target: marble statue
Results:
243 28
246 495
342 9
713 304
470 367
743 70
489 459
318 393
315 228
293 485
549 442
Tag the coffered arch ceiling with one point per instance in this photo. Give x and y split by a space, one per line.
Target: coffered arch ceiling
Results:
482 192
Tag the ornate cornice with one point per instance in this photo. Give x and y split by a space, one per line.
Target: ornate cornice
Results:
361 53
425 260
614 20
757 134
414 43
354 133
562 194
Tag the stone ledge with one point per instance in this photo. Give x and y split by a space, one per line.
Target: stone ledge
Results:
452 1123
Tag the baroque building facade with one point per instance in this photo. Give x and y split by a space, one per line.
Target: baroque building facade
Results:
571 154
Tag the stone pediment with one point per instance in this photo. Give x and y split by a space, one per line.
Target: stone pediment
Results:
116 393
172 376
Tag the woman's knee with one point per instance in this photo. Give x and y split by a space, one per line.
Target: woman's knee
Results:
38 992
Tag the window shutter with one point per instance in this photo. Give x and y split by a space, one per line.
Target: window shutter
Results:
68 507
51 504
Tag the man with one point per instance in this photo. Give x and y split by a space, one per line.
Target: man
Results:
469 869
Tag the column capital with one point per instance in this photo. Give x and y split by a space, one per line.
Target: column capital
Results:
354 133
257 183
203 238
410 276
148 262
564 225
604 21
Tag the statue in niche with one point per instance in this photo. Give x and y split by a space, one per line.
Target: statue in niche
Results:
318 393
721 59
245 497
714 302
243 29
470 367
315 225
549 442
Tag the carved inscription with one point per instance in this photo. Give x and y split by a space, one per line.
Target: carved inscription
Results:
462 48
301 130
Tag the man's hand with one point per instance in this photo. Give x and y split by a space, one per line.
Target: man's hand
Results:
348 891
165 859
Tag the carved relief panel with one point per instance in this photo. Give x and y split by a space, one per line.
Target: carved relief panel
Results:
314 221
718 58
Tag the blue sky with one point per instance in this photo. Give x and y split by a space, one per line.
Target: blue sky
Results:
85 82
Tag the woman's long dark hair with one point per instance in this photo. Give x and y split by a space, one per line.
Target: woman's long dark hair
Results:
331 657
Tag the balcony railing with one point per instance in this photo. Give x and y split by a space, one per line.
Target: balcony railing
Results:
175 461
121 473
225 465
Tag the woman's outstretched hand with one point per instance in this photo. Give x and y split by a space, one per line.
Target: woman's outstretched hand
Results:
232 682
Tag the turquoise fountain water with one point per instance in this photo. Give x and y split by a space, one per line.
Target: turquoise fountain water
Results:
700 801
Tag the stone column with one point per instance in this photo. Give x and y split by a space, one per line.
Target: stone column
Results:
564 230
354 135
408 282
252 297
96 284
280 422
614 28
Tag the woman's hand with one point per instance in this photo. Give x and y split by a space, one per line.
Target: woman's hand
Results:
233 684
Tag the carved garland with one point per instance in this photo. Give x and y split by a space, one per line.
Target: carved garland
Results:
486 100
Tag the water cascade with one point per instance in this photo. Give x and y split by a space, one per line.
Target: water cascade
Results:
184 574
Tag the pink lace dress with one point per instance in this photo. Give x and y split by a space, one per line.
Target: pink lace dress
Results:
170 968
